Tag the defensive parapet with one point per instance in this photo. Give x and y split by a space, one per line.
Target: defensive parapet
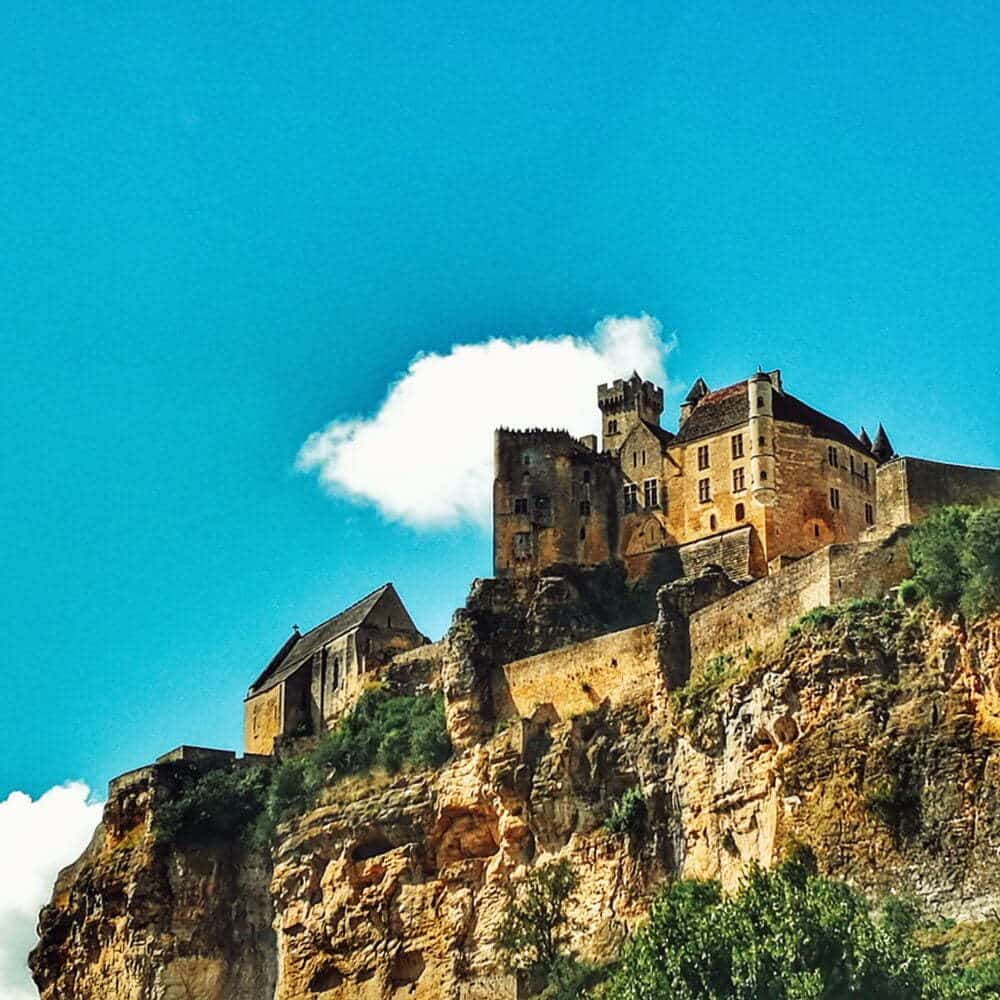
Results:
908 489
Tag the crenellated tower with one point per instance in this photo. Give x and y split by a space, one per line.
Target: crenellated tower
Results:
624 404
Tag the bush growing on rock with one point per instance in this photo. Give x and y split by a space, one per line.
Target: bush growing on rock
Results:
628 814
786 934
956 558
384 729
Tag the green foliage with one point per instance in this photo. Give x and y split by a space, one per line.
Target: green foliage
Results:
219 805
534 928
570 979
387 730
956 558
699 695
910 592
786 935
893 803
628 814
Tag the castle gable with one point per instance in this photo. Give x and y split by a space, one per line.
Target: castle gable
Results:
304 646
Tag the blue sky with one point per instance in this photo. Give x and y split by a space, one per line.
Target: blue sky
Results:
225 226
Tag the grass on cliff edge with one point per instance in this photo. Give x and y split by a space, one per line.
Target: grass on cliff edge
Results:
384 730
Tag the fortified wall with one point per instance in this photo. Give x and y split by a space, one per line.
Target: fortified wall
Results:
758 616
615 668
909 488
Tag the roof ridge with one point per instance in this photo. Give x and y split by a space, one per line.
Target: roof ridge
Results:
350 607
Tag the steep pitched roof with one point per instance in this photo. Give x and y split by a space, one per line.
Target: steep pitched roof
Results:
299 648
699 389
864 438
663 435
882 449
730 407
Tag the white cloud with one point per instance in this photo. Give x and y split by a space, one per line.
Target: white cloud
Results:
37 839
426 456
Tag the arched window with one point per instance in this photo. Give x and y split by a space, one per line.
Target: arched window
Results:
741 512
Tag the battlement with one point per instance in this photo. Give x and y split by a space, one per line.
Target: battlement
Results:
623 393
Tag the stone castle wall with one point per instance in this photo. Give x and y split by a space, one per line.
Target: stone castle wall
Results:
758 616
909 488
619 667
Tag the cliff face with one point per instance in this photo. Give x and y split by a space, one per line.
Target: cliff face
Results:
873 737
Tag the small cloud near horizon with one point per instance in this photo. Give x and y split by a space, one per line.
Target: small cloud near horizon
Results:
38 838
426 456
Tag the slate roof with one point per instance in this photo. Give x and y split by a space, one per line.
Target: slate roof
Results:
730 407
665 437
299 648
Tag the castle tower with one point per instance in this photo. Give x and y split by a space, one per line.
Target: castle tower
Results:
623 404
882 449
760 393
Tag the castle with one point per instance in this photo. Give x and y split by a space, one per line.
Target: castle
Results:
758 509
752 478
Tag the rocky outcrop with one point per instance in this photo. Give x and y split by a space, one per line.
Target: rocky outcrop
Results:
874 737
135 920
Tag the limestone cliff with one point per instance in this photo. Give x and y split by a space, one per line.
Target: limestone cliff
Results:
872 736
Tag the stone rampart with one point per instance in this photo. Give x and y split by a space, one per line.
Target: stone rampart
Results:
618 667
909 488
758 616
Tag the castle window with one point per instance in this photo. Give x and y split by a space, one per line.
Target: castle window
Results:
522 545
741 512
737 444
834 498
651 492
520 505
832 457
816 530
713 522
866 472
869 514
631 497
586 475
643 456
851 457
526 459
704 490
763 475
583 534
585 508
739 479
612 426
762 440
702 456
635 459
760 402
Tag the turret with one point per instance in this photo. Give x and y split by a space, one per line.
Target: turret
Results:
623 404
865 439
698 390
760 397
882 449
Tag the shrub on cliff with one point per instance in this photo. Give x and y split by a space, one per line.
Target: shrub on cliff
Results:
383 729
220 805
535 927
786 935
956 558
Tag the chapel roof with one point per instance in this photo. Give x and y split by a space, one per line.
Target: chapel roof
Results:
299 648
730 407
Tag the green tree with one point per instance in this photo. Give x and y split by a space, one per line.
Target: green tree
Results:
535 926
956 557
786 935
